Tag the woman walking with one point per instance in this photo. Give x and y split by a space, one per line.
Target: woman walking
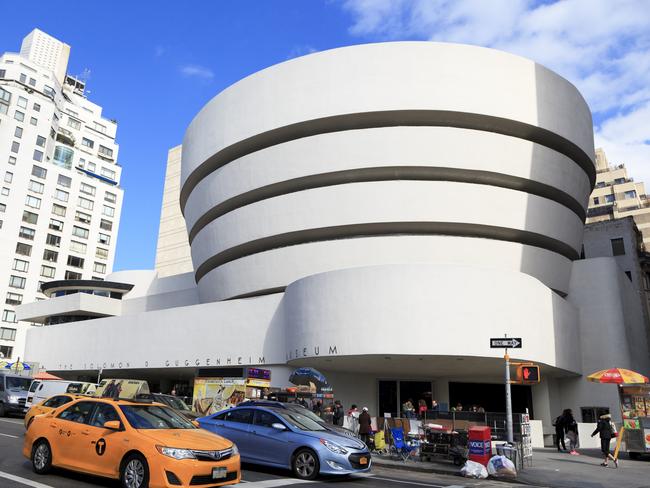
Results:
606 430
571 427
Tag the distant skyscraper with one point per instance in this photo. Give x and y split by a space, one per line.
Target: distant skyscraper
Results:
60 199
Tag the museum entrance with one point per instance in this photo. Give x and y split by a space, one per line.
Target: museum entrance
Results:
393 393
490 396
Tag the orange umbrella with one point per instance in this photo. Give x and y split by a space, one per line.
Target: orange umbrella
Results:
43 375
618 376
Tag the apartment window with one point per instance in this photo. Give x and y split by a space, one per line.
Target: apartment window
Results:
23 249
75 261
9 177
630 194
37 107
75 124
49 91
87 142
6 351
22 102
99 127
78 247
15 147
39 172
106 224
40 141
108 211
3 207
110 197
5 100
5 191
20 265
71 275
33 120
56 225
12 160
50 256
17 282
99 267
8 316
13 298
104 239
6 333
609 198
596 200
85 203
3 73
63 156
58 210
19 116
53 240
64 181
618 246
108 173
48 271
61 195
101 253
91 167
38 155
33 202
591 415
30 217
36 187
32 82
82 217
18 132
80 232
87 189
26 233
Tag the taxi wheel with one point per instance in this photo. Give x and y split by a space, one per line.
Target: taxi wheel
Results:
41 457
134 472
306 465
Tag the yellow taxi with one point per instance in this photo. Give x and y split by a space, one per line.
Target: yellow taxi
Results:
141 443
47 406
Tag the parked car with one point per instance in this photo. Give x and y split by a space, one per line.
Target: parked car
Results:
287 438
47 406
177 404
48 388
13 393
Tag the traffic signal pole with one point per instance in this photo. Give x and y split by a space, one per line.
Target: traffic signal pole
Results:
509 428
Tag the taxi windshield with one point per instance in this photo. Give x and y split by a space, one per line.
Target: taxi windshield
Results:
176 403
154 417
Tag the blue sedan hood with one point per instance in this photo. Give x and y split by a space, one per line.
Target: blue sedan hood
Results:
341 440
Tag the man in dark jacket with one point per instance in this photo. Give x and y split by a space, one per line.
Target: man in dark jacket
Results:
606 430
559 433
338 413
365 428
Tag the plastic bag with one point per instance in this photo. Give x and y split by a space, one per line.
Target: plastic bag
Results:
472 469
501 467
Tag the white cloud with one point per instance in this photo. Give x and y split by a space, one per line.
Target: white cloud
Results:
197 71
602 46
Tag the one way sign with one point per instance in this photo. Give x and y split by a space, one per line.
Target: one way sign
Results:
506 343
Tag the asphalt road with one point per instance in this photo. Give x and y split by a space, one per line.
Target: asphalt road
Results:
16 472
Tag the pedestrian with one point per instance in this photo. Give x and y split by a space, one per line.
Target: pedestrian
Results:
318 408
459 407
607 430
571 429
422 407
408 409
354 411
434 405
559 433
365 429
339 413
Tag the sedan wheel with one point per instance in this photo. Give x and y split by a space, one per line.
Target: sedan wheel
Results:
41 457
306 465
135 472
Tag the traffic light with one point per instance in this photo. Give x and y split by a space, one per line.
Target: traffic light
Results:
528 374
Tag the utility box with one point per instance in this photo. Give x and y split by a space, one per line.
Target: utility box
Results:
480 444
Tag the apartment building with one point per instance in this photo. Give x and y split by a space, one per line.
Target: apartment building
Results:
60 195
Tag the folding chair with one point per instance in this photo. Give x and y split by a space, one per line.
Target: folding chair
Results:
400 447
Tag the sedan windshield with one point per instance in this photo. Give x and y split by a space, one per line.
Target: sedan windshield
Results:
154 417
300 421
309 414
19 383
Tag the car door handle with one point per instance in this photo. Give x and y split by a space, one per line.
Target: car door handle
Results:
85 432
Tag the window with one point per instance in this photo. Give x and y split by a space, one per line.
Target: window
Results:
91 167
104 239
39 172
56 225
99 267
9 177
87 142
591 415
85 203
87 189
49 91
110 197
75 261
6 333
33 202
20 265
19 116
105 151
99 127
22 102
40 141
36 187
79 412
37 107
5 99
108 173
26 233
108 211
53 240
71 275
618 247
32 82
102 414
17 281
38 155
101 253
240 415
50 256
63 156
3 208
13 298
57 401
12 160
30 217
630 194
61 195
78 247
48 271
64 181
33 120
15 147
75 124
609 198
629 275
80 232
6 351
5 191
265 419
106 224
23 249
82 217
58 210
18 132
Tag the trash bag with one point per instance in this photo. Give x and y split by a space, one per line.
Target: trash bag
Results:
501 467
472 469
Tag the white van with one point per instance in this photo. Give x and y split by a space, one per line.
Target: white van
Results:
49 388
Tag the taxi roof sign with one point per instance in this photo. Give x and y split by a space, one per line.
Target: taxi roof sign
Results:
122 389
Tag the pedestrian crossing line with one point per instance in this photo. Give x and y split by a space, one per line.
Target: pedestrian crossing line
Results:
23 481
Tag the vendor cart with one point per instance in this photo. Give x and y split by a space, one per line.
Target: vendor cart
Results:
438 440
635 409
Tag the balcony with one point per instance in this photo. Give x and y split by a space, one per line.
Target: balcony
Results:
66 137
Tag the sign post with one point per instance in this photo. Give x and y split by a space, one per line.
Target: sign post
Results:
505 343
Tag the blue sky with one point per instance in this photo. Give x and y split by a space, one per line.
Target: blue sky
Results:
153 65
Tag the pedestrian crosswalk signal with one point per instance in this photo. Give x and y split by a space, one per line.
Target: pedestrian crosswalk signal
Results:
528 374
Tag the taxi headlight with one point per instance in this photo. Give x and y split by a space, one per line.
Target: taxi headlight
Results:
235 451
176 453
332 446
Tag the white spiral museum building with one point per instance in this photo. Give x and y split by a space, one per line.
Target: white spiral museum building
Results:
379 212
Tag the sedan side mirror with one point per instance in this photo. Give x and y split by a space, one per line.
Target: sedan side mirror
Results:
279 426
113 425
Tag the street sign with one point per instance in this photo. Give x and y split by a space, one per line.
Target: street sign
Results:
528 374
506 343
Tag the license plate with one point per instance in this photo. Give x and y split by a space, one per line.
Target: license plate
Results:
363 460
218 473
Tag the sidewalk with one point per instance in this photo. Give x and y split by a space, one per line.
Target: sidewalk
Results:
552 469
